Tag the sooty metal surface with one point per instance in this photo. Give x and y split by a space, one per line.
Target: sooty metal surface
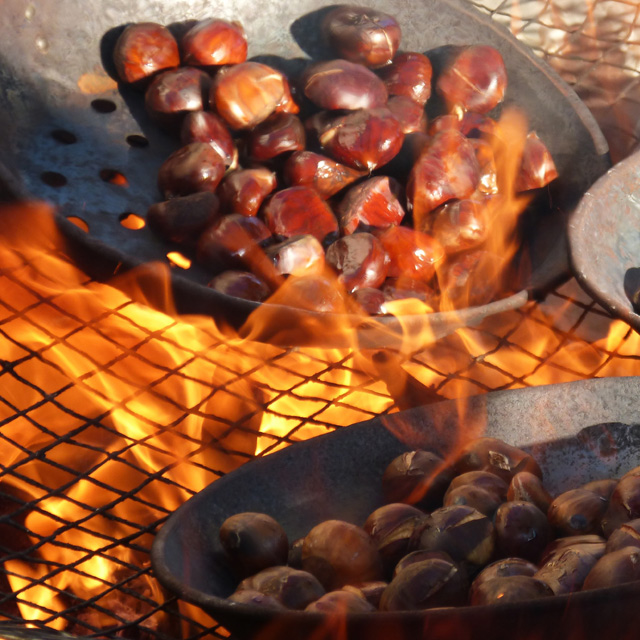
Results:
70 129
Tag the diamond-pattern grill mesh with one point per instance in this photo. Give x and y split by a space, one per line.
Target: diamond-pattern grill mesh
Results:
112 414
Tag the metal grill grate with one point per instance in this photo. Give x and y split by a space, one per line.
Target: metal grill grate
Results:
123 405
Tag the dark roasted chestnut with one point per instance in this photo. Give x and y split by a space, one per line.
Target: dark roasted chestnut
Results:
362 34
214 42
143 49
565 571
424 585
241 284
419 556
339 553
510 589
627 535
528 486
615 568
341 601
502 569
279 133
253 542
370 591
244 190
293 588
298 255
521 530
624 504
313 292
416 477
577 511
256 599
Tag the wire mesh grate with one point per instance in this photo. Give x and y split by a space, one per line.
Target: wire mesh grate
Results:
111 414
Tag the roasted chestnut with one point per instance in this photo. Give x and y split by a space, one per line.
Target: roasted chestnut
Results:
409 75
566 571
510 589
339 553
528 486
279 133
244 190
615 568
341 601
256 599
214 42
253 542
627 535
206 126
241 284
577 511
624 504
522 530
503 568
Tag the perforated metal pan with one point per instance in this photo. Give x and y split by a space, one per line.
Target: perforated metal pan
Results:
67 127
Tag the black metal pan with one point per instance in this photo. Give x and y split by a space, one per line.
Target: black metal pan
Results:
577 431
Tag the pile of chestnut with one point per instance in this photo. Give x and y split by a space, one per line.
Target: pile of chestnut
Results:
335 177
476 531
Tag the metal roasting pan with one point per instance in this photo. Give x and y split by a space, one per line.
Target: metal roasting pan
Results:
578 431
66 126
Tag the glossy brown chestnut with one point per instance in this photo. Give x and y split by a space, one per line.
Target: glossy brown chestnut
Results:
362 34
459 225
464 533
364 139
312 293
497 457
341 601
340 84
538 168
253 542
409 114
627 535
481 479
372 203
446 169
522 530
591 543
143 49
192 168
176 92
409 75
510 589
279 133
624 504
359 260
370 300
256 599
424 585
603 487
416 477
419 556
339 553
528 486
247 93
297 211
474 80
412 254
566 571
502 569
244 190
293 588
326 176
488 182
214 42
370 591
298 255
233 242
241 284
479 499
206 126
182 219
577 511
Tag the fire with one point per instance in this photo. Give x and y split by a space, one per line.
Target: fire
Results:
115 412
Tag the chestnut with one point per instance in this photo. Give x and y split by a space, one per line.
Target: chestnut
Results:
370 591
419 556
297 255
474 80
624 504
299 211
253 542
143 49
566 571
247 93
339 553
416 477
412 253
463 532
293 588
244 190
613 569
537 168
364 139
502 569
214 42
459 225
326 176
409 75
591 543
359 260
193 168
496 456
603 487
279 133
206 126
522 530
577 511
182 219
370 301
312 292
372 203
256 599
431 583
510 589
406 287
340 84
340 601
174 93
626 535
241 284
528 486
362 34
467 494
409 114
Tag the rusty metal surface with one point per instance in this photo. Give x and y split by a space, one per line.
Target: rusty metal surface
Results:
52 69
